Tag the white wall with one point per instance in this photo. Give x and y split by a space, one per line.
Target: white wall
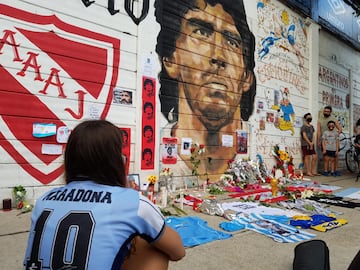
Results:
339 58
21 160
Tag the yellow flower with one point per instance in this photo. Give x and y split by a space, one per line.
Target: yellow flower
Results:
152 179
284 156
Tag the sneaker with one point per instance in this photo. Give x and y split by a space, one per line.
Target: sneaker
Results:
332 174
337 173
325 173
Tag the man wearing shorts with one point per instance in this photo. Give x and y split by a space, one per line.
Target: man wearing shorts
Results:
323 119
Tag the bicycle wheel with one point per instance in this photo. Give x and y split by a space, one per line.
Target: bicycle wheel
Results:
342 141
351 163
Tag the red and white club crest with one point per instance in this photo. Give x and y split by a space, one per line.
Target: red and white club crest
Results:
51 72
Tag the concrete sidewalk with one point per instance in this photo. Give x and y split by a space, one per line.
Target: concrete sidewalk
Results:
245 250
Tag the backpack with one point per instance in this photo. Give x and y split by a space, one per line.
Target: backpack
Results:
311 255
355 263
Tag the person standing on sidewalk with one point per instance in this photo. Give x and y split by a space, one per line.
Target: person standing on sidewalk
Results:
357 127
330 146
323 120
308 138
357 144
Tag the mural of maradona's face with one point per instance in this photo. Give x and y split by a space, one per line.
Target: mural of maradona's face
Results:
209 65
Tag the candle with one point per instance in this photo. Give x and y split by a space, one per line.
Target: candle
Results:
6 204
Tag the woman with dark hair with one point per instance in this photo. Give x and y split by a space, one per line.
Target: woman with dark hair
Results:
95 221
94 151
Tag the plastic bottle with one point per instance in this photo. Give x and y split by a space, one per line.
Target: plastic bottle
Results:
212 208
181 199
163 196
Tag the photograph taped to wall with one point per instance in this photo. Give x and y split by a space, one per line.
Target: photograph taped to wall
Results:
122 96
185 146
134 181
242 144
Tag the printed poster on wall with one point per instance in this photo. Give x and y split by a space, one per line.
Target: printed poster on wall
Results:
126 135
241 139
148 123
169 150
62 134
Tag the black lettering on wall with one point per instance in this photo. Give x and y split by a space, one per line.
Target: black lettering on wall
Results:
129 8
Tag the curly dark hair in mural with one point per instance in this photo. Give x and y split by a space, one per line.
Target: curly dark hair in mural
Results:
169 14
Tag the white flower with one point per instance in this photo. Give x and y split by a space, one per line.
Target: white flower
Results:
226 177
306 194
166 172
20 194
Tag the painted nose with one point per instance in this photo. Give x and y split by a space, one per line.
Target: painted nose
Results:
219 63
218 57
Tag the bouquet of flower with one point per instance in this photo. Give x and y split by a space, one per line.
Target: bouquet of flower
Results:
166 172
244 171
227 179
21 203
19 194
166 178
283 159
196 151
152 179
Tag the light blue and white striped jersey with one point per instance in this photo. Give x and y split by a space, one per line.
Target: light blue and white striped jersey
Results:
88 226
273 227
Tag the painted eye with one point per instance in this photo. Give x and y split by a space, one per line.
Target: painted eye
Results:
202 32
232 39
233 44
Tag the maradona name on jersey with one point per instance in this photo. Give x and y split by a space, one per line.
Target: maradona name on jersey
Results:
79 195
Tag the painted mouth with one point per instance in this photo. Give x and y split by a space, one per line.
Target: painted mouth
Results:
217 86
217 89
217 92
